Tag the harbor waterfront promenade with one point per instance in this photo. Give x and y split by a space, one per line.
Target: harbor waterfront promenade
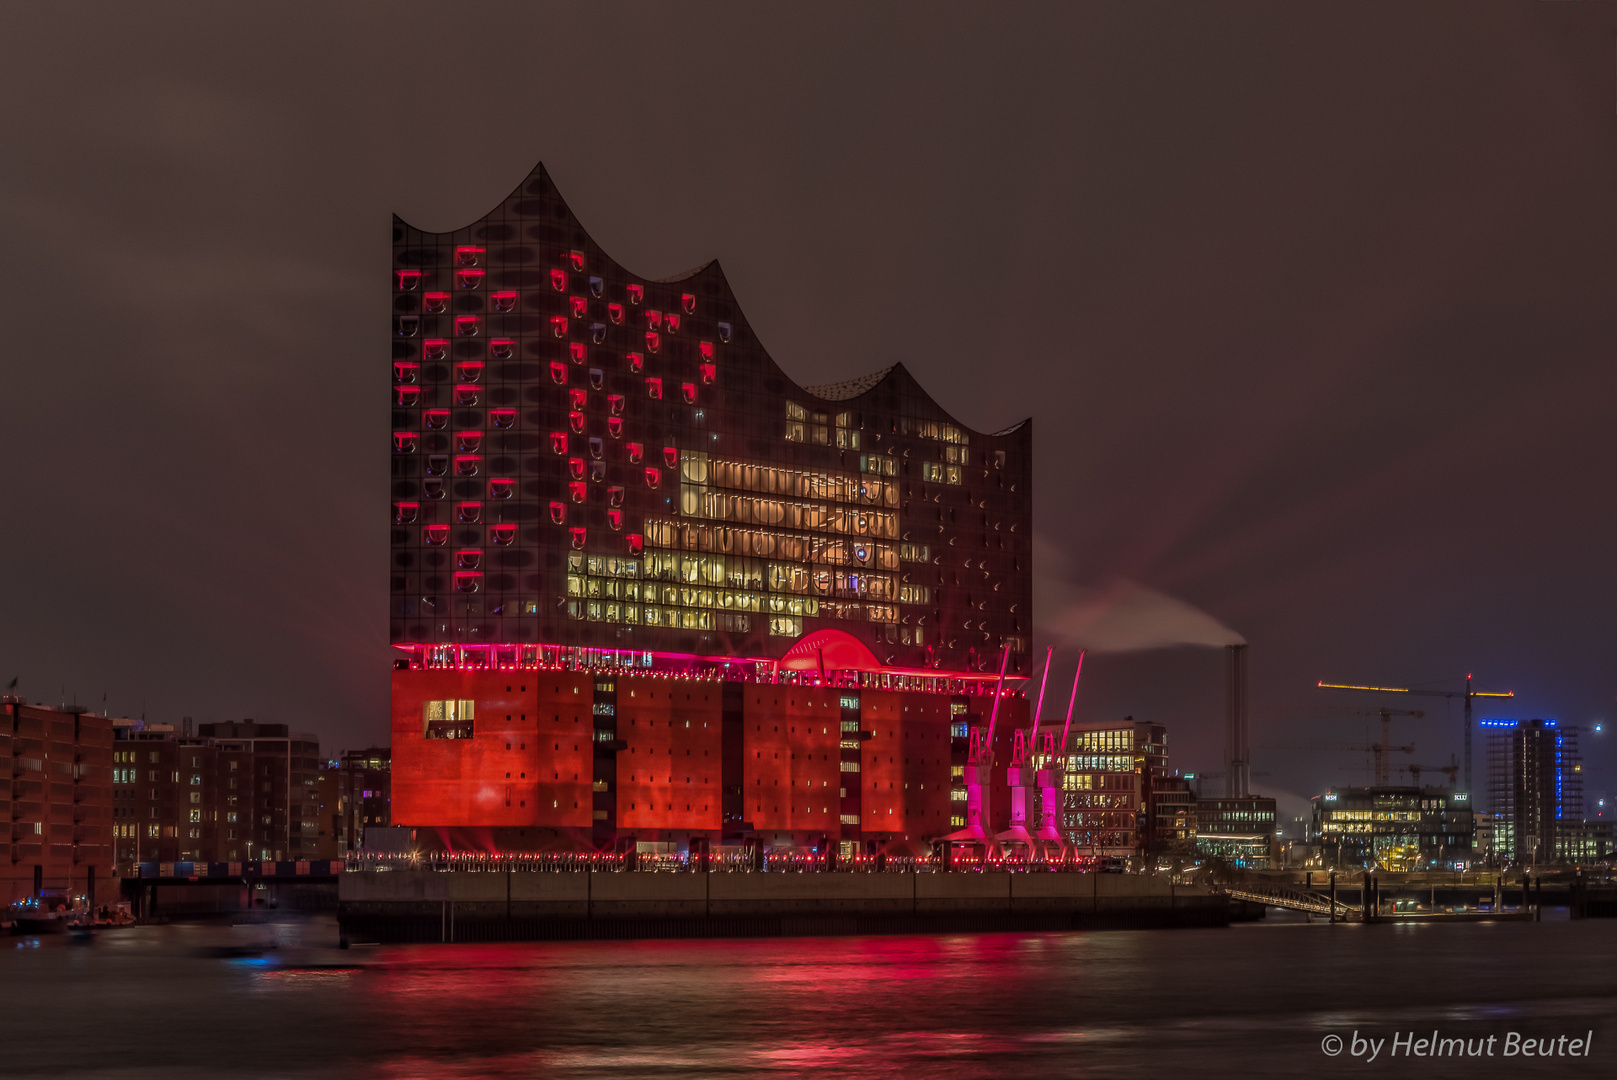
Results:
398 905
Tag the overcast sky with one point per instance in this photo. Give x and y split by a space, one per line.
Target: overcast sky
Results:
1314 307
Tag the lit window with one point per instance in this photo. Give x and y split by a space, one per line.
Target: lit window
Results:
468 559
558 280
469 371
636 361
575 466
406 396
637 543
558 441
576 260
654 341
434 349
467 581
614 426
503 301
466 255
654 387
435 535
468 442
435 303
467 325
405 442
614 313
466 395
635 451
467 464
469 513
558 512
689 392
688 302
614 518
469 279
671 456
578 490
558 373
501 348
406 371
501 487
558 325
578 306
614 496
503 533
673 323
576 420
578 538
502 418
654 319
409 280
636 293
404 513
654 476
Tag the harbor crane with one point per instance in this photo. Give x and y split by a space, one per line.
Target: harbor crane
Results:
1468 693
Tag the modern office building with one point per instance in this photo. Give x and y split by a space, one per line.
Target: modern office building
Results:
1238 830
646 587
366 794
1393 828
58 806
1535 788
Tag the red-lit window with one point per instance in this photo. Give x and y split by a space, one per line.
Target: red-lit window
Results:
469 513
614 496
671 456
467 464
502 418
654 476
614 518
578 306
578 538
575 259
706 349
405 512
636 361
502 534
558 280
709 372
597 332
501 487
501 348
435 303
558 373
576 398
614 312
468 559
558 325
435 535
406 371
436 419
469 279
468 442
405 442
434 349
654 387
673 323
654 341
406 396
635 452
466 396
575 420
504 301
637 293
558 441
614 403
575 466
558 512
654 319
468 581
409 280
469 371
688 302
466 255
575 351
577 489
724 332
689 390
467 325
637 543
614 426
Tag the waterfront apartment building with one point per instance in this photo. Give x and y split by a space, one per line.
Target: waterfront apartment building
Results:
646 588
1393 828
365 798
1238 830
58 805
1535 788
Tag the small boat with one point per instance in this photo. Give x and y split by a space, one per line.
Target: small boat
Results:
38 916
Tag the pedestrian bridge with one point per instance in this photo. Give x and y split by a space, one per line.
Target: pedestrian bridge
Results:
1279 894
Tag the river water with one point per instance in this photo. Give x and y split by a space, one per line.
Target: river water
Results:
1256 1000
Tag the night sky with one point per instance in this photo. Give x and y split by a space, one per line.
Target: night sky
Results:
1314 308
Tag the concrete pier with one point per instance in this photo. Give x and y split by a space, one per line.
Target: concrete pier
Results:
512 905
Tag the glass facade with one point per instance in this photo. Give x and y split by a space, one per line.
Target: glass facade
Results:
588 458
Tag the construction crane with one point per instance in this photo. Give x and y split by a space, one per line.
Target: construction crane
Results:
1414 772
1468 693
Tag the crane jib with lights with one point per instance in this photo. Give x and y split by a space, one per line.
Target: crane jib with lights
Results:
1467 694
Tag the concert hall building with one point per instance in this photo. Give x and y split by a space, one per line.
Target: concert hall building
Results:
645 587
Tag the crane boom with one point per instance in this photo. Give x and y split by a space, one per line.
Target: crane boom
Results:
1468 693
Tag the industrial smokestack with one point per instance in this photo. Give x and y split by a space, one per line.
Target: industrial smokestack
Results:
1237 754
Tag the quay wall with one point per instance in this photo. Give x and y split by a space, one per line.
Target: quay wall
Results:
428 905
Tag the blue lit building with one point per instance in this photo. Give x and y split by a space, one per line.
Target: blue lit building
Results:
1535 787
